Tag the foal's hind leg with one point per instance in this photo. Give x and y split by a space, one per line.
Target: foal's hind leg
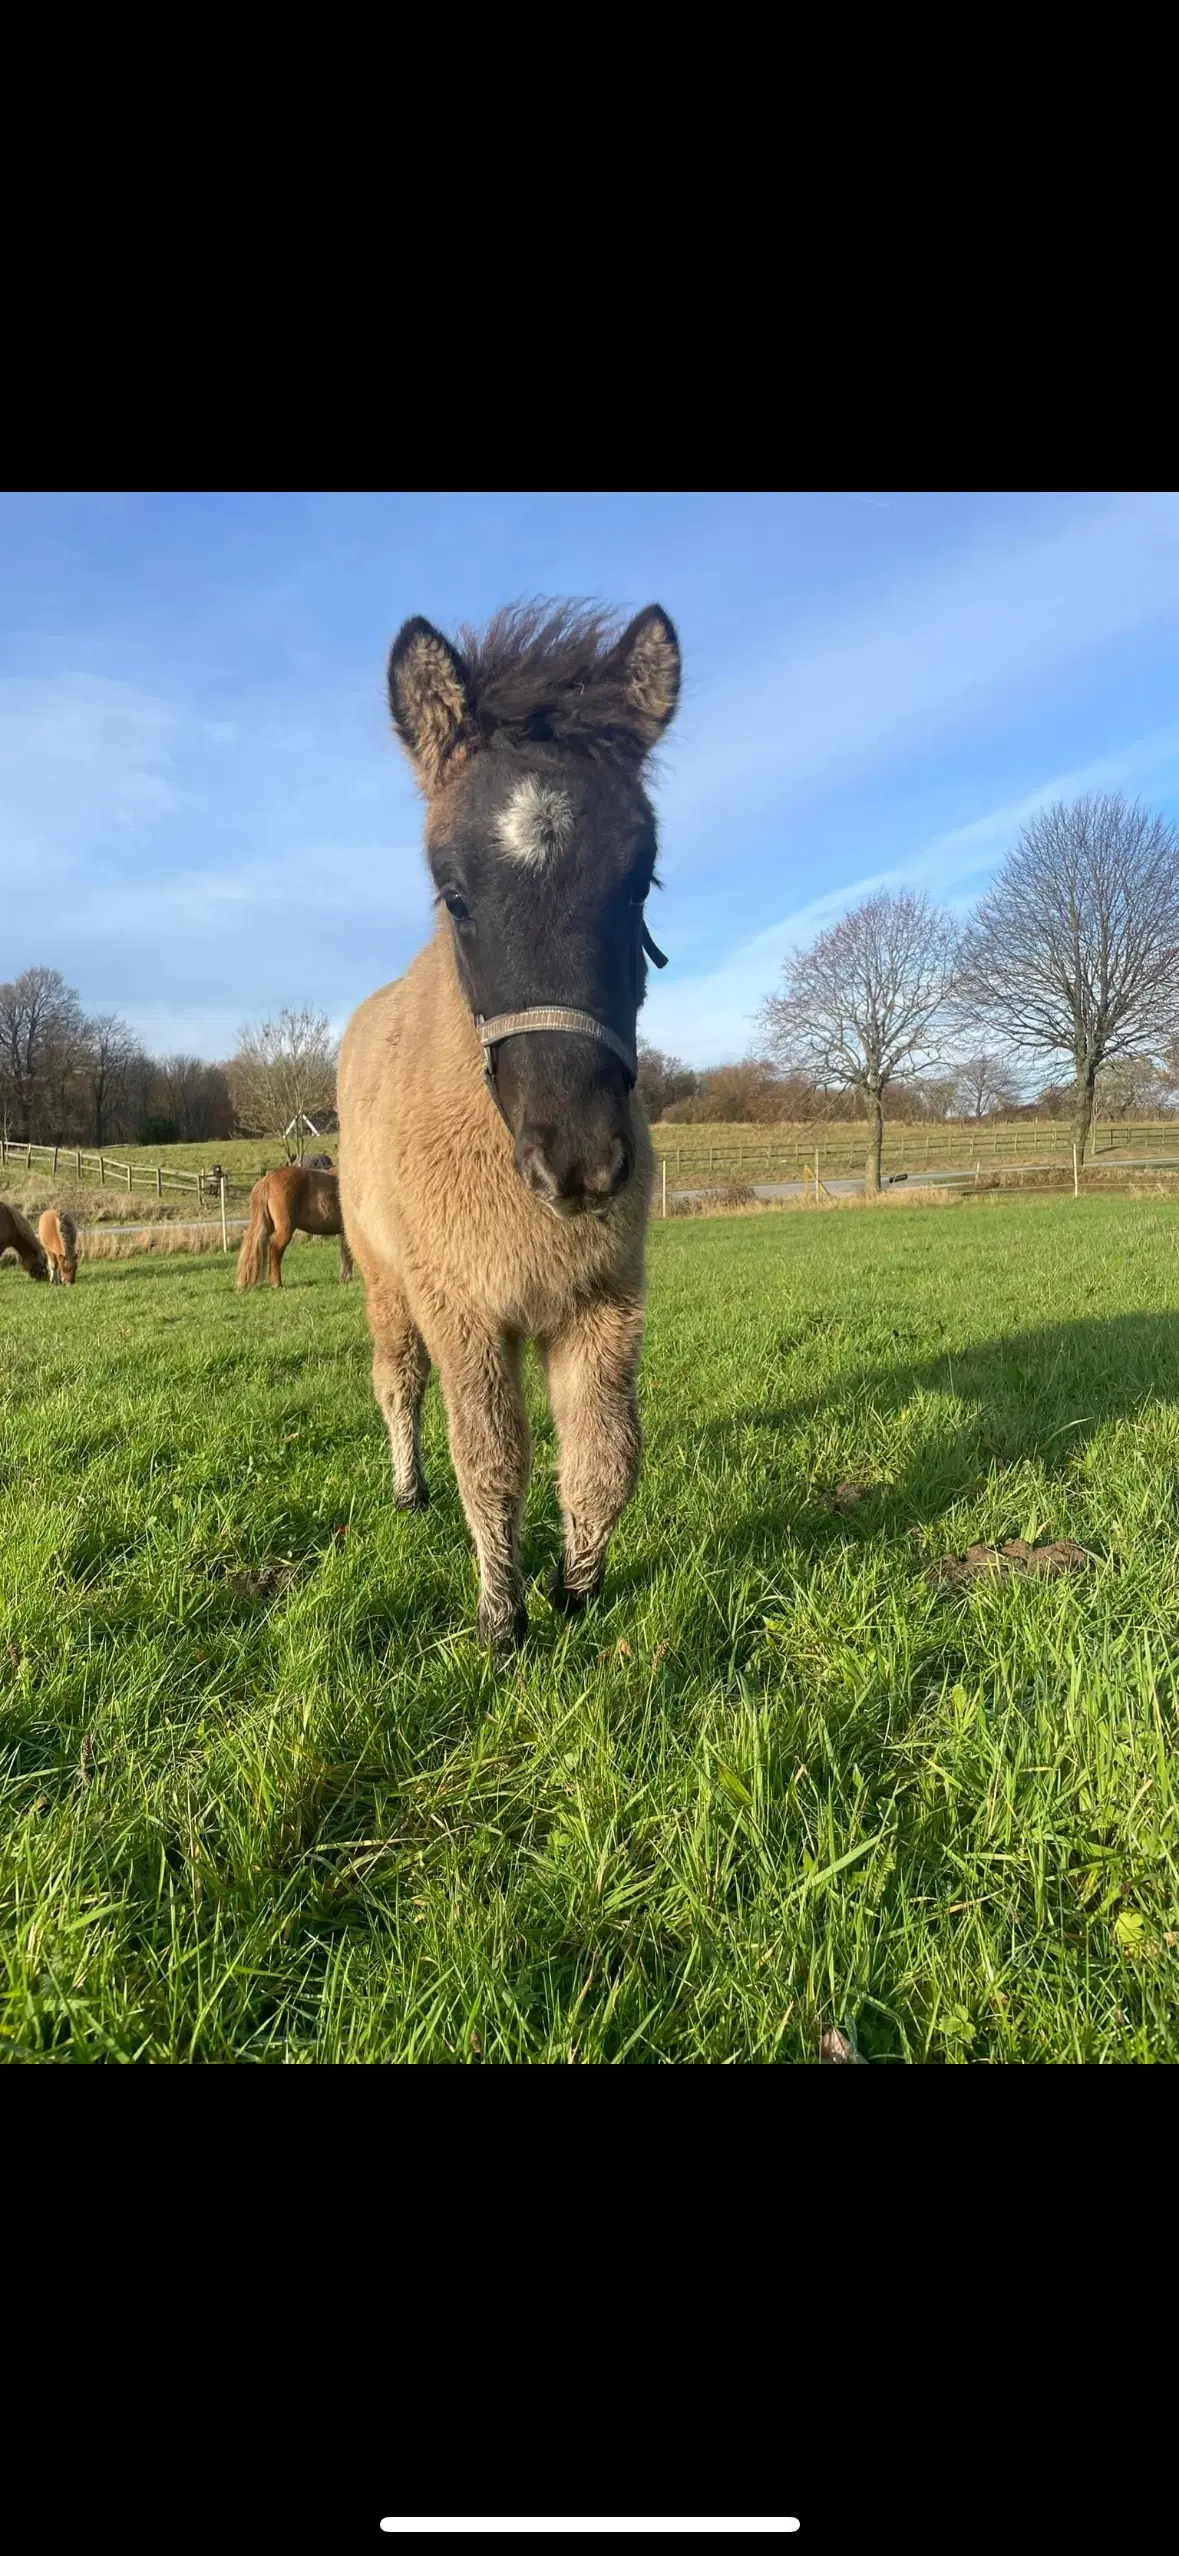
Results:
591 1371
279 1239
401 1366
490 1448
345 1259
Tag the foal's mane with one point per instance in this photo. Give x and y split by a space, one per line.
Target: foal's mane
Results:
547 672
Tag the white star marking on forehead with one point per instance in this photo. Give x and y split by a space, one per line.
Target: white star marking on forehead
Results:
537 822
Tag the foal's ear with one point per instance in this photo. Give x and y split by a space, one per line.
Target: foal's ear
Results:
647 658
427 696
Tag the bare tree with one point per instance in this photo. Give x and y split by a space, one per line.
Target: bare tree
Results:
1132 1087
750 1092
194 1096
1074 950
283 1072
864 1004
663 1080
984 1082
41 1045
109 1050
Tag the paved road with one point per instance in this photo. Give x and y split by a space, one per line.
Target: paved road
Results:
167 1224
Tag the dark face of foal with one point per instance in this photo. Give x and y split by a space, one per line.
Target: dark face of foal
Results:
542 852
544 869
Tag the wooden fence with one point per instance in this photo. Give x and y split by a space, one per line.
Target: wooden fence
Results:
783 1153
84 1165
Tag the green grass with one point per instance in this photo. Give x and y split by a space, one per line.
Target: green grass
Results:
264 1799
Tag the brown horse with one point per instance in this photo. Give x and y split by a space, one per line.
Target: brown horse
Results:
283 1203
18 1236
59 1237
495 1160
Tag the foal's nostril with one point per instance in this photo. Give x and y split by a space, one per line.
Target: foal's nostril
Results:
608 1177
535 1170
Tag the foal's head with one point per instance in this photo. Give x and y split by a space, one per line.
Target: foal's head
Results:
529 743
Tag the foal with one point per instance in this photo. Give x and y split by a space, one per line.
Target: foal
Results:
59 1241
495 1161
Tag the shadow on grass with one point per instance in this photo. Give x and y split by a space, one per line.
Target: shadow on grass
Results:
1032 1395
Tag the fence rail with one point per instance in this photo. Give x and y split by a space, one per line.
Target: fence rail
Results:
106 1170
841 1147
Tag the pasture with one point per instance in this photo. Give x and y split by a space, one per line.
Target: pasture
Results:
265 1800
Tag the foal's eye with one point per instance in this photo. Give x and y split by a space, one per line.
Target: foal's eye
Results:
456 905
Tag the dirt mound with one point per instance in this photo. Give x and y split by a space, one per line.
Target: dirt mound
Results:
847 1496
994 1561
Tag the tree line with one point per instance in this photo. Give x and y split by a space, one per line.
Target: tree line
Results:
1069 961
68 1077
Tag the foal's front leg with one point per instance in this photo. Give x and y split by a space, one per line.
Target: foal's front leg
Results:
401 1365
592 1370
490 1448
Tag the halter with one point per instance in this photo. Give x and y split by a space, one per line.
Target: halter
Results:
555 1016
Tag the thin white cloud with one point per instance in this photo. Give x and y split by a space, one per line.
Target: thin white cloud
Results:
914 660
79 753
709 1017
360 882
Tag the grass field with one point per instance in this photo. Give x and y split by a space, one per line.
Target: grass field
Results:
264 1800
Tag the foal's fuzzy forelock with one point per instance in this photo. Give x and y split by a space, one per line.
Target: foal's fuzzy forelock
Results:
536 826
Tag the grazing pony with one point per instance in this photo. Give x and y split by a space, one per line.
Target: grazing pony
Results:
495 1160
59 1237
18 1236
283 1203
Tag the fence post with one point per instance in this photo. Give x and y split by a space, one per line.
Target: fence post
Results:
55 1155
664 1190
127 1169
102 1171
28 1158
159 1180
225 1236
1076 1175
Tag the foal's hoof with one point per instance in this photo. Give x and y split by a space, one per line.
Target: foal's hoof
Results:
418 1498
502 1634
569 1601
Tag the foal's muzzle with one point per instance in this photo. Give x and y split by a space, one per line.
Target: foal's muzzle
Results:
577 1174
573 1149
572 1169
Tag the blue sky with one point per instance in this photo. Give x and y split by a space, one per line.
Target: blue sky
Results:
203 814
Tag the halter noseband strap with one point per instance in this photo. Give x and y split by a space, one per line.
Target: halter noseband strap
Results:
549 1016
